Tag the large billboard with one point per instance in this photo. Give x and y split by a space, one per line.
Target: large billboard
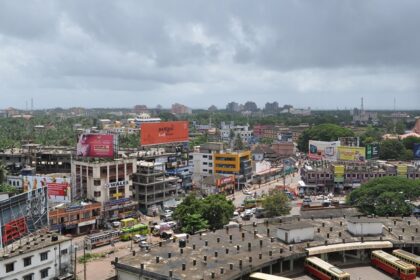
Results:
402 170
372 151
163 133
322 150
59 188
416 151
351 153
96 145
339 173
22 214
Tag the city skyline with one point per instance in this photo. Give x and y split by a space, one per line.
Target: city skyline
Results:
321 55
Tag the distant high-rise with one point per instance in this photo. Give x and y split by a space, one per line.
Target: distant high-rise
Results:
232 107
179 109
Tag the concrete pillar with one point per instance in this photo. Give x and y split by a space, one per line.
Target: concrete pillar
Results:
344 257
271 269
281 266
291 265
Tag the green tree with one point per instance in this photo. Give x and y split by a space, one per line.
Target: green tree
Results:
193 223
323 132
217 210
190 205
385 196
392 149
266 140
239 144
276 204
410 141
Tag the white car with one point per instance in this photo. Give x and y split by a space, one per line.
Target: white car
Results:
139 238
246 192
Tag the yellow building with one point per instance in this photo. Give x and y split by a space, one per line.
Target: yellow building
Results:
236 163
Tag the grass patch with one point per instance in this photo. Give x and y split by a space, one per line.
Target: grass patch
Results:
93 256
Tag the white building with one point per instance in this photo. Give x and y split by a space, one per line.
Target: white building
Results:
364 226
242 131
37 257
202 160
296 232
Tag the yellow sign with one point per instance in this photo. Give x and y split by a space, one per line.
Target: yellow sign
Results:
402 170
338 173
351 153
117 195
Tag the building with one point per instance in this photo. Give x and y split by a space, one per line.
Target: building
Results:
234 163
151 186
80 218
216 184
358 226
41 256
295 232
300 112
108 182
250 106
141 109
242 131
283 149
202 160
232 107
179 109
145 118
271 108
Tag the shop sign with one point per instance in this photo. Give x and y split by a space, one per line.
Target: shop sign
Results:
116 184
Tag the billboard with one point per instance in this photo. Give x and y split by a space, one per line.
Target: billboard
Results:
402 170
339 173
351 153
96 145
322 150
23 213
372 151
163 132
59 188
416 151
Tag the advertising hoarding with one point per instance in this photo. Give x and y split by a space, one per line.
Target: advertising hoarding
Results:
322 150
372 151
96 145
163 133
59 188
402 170
226 180
416 151
22 214
351 153
338 173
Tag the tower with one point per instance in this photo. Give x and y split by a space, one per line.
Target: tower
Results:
361 105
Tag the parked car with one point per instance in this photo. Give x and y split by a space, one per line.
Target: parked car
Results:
306 201
138 238
247 192
144 244
260 213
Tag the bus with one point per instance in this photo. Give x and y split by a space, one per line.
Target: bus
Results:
128 232
129 222
102 238
324 271
393 265
264 276
408 258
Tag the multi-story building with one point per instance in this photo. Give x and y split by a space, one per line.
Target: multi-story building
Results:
151 186
40 256
234 163
242 131
108 182
232 107
202 160
75 218
179 109
271 107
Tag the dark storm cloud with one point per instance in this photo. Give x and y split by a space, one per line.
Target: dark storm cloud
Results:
308 53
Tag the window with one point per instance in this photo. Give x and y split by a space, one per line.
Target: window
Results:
97 193
97 182
204 163
64 252
210 157
204 156
10 267
44 273
28 277
27 261
44 256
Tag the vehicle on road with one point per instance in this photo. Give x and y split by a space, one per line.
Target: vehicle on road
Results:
138 238
323 270
102 238
128 232
393 265
307 201
260 213
408 257
144 244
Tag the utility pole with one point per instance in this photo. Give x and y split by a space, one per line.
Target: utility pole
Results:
75 262
84 259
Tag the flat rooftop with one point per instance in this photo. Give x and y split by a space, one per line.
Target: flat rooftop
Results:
255 246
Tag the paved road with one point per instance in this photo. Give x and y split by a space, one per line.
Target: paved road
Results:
360 273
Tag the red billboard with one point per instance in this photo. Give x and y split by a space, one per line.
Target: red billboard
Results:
96 145
163 132
57 189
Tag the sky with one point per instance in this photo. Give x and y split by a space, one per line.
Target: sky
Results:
323 54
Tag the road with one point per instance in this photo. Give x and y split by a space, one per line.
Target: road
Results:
359 273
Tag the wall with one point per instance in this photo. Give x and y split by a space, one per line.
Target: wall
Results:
296 235
365 228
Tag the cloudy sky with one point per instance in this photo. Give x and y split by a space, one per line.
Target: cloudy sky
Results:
99 53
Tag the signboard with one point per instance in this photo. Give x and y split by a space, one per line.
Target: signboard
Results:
322 150
59 189
163 133
116 184
23 213
416 151
338 173
402 170
96 145
351 153
372 151
226 180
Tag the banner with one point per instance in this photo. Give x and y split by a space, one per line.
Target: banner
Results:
402 170
163 132
351 153
226 180
322 150
372 151
96 145
338 173
58 187
416 151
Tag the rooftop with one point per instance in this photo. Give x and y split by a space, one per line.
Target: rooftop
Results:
298 225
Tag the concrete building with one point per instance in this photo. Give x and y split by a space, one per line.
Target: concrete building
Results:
179 109
283 149
242 131
108 182
232 107
234 163
364 226
202 160
75 218
296 232
43 256
151 186
216 184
